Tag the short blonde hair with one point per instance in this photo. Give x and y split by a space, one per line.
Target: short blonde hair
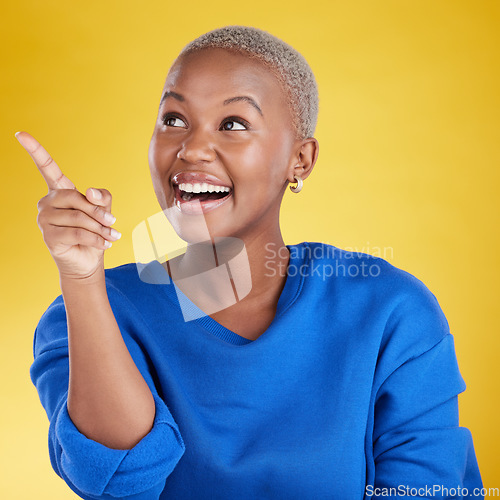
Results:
291 68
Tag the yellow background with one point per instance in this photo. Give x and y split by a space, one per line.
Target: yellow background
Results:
408 165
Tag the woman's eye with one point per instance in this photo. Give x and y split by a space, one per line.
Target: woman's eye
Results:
169 121
232 123
228 124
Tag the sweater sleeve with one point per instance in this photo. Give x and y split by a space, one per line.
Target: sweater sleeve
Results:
418 445
90 469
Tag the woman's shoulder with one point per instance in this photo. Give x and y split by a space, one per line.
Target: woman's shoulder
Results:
135 271
353 266
404 313
352 263
139 287
370 278
136 276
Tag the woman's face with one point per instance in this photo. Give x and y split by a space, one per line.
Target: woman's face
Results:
223 121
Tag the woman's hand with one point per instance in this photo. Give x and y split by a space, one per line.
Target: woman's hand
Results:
75 227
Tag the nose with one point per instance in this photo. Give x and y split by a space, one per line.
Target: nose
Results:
197 148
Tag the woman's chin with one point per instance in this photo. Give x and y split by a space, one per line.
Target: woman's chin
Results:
194 224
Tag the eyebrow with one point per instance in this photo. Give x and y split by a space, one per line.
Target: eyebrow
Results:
245 98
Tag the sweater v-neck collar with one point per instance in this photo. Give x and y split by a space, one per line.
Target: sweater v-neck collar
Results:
289 294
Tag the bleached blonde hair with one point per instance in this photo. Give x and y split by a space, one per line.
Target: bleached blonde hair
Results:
288 65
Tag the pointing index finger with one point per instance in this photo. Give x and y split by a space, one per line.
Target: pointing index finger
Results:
49 169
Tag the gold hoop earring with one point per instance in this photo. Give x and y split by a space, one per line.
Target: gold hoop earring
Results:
299 185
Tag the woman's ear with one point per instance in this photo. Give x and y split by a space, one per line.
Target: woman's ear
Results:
303 163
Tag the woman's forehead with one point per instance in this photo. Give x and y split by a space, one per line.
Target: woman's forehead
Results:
217 69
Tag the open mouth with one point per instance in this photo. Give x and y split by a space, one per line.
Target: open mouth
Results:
193 198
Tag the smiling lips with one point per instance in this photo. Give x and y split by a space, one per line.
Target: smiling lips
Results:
189 188
198 192
193 177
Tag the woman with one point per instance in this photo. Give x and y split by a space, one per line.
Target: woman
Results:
244 368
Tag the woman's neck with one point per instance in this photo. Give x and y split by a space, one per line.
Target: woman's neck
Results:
218 273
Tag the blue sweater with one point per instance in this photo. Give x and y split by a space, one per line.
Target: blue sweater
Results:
352 389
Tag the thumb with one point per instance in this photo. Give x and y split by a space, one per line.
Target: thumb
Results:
99 197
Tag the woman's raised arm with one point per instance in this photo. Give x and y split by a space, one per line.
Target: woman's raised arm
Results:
108 399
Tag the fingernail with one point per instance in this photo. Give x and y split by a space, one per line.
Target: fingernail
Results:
109 217
107 243
96 194
16 134
115 234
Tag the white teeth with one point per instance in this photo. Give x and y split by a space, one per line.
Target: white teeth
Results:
202 188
